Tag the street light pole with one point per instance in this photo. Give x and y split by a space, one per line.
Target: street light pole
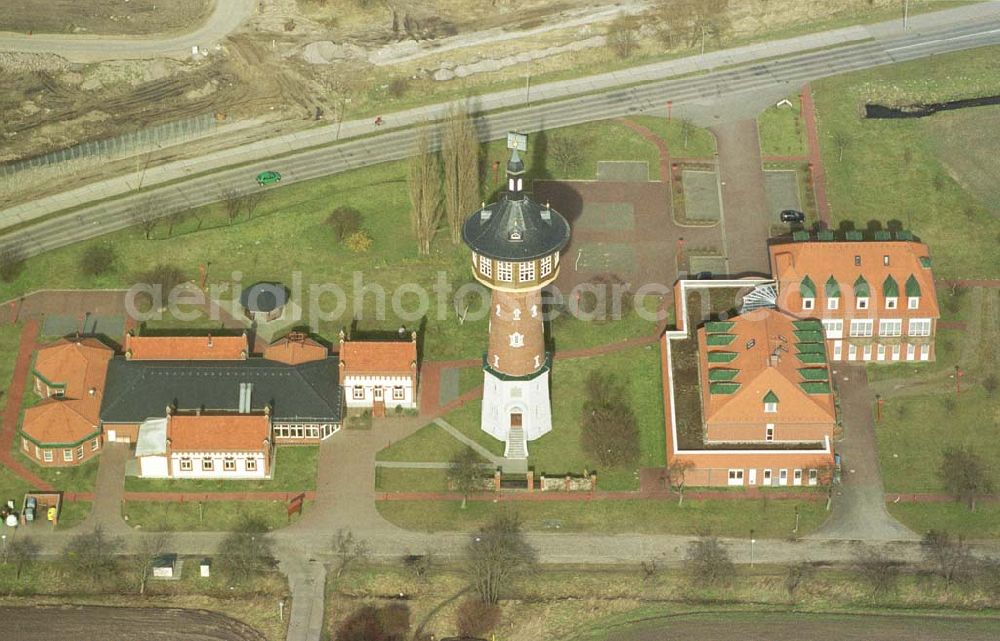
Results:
752 541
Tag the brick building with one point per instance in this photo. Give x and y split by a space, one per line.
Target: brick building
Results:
379 374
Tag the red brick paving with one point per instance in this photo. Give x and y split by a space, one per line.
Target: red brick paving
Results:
542 497
661 145
815 158
12 411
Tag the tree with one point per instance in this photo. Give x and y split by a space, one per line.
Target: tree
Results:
344 221
677 476
11 262
796 575
372 623
610 433
97 260
687 128
965 474
360 242
163 275
567 151
475 619
460 157
252 201
841 141
247 551
425 193
952 559
623 35
232 203
144 219
874 567
175 218
148 548
465 473
348 551
91 555
707 562
22 552
497 553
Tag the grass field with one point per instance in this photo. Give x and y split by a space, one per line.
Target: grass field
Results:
768 519
389 479
782 130
294 471
72 478
700 142
210 516
899 170
103 16
954 518
427 445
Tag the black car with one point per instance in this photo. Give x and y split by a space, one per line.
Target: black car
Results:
792 216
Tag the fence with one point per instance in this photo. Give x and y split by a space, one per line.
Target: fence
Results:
129 144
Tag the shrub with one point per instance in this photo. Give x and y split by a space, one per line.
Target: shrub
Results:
97 259
359 242
398 86
165 276
345 221
371 623
11 262
610 433
475 618
708 563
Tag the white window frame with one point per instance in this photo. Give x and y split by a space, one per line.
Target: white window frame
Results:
911 351
771 408
486 266
95 444
767 476
862 302
312 431
398 393
796 477
546 266
783 477
833 302
912 302
852 352
68 455
808 303
891 302
861 327
505 271
186 464
866 352
526 272
47 456
838 350
896 351
735 476
250 464
890 327
769 432
516 339
358 393
79 453
919 327
207 465
813 477
833 328
24 444
925 352
229 464
880 352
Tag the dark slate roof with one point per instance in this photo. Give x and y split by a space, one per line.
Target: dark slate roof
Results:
540 235
264 297
137 390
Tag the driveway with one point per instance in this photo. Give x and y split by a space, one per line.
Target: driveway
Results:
859 502
224 19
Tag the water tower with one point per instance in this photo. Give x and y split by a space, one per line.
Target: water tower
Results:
515 246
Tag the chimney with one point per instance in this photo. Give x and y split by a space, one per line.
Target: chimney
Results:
774 358
92 391
246 389
547 212
209 339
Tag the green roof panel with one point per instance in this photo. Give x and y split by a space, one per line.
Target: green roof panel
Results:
808 336
800 235
904 234
912 286
718 327
719 339
770 397
832 288
723 388
925 262
815 387
814 373
883 234
810 324
810 348
854 234
889 287
807 288
811 358
861 288
721 357
722 374
824 234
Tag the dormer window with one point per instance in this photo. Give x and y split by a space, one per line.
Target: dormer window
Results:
832 291
807 289
861 292
771 403
891 292
913 302
890 302
862 302
912 292
515 235
808 303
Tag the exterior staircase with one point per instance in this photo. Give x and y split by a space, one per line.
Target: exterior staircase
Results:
517 447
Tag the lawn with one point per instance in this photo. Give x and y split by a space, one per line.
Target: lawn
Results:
919 172
73 513
294 471
72 478
782 130
916 430
954 518
428 444
211 516
768 519
700 142
466 419
390 479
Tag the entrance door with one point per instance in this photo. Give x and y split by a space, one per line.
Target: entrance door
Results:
112 436
515 419
783 477
753 477
379 394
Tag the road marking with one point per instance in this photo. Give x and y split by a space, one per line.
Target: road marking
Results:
930 42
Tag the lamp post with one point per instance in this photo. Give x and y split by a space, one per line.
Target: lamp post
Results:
752 541
878 408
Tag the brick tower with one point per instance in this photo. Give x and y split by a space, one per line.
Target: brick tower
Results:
515 252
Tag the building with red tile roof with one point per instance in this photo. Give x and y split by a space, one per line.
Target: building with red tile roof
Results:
296 348
187 348
377 374
64 429
206 445
875 298
764 378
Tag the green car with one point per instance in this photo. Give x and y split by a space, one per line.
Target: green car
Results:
268 178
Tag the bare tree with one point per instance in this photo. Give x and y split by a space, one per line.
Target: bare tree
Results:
875 568
707 562
567 151
465 473
796 575
247 551
232 203
623 35
175 218
677 471
965 474
348 551
91 555
11 262
144 219
496 554
425 193
252 201
460 156
841 141
21 552
687 128
952 559
147 550
609 431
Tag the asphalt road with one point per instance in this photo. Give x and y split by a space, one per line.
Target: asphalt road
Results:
949 31
224 19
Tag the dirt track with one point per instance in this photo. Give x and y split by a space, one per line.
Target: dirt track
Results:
809 627
96 623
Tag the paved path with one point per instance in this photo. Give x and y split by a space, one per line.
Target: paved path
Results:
859 502
815 157
746 219
224 19
462 438
12 408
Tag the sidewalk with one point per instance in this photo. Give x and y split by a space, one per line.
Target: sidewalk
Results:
12 408
815 157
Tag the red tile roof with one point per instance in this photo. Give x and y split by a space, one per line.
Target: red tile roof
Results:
186 348
80 366
819 260
218 433
296 349
757 335
378 357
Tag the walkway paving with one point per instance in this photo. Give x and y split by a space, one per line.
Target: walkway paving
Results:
108 489
12 409
815 157
859 502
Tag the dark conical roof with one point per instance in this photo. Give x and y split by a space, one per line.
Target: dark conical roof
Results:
515 230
